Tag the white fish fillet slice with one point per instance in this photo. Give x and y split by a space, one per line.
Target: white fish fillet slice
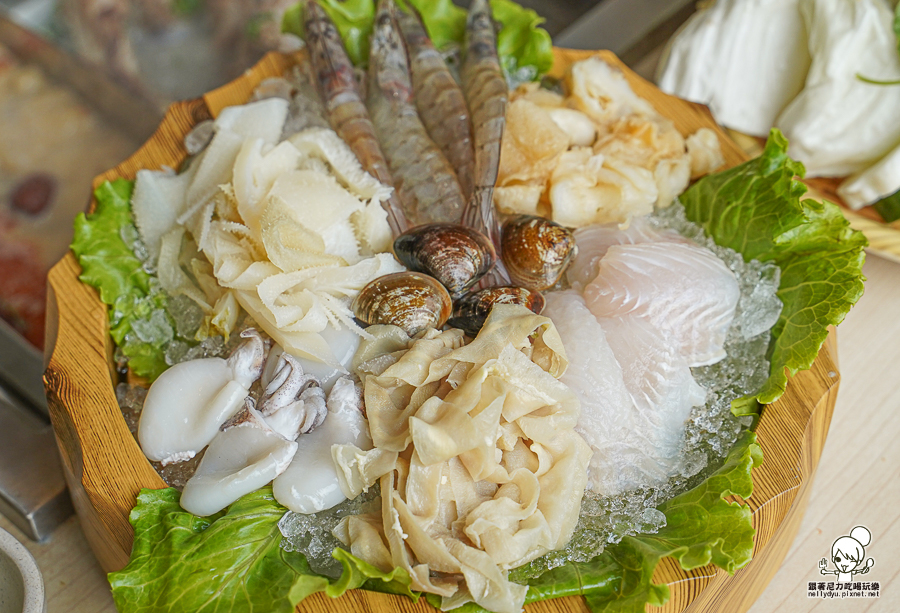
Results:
594 241
683 290
635 393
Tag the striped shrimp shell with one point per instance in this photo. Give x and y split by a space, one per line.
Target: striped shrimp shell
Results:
486 93
439 99
427 184
345 109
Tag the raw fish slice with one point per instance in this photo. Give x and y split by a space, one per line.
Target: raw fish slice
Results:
632 417
593 242
663 390
596 378
685 291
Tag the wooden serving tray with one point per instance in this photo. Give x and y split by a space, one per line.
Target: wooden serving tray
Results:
105 468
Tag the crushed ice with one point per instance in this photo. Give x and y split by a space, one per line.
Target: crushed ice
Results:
312 535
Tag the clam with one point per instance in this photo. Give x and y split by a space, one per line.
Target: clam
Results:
409 300
454 254
472 310
536 251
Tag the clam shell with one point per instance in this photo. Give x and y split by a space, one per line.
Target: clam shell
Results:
472 310
454 254
409 300
536 251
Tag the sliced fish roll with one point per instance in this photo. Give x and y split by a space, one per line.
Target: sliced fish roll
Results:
683 290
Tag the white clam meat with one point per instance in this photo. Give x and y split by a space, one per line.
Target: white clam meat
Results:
239 460
310 484
188 403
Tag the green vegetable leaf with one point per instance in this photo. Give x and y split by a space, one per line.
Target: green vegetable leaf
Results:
353 19
231 562
228 562
889 207
897 25
521 43
755 208
444 21
109 264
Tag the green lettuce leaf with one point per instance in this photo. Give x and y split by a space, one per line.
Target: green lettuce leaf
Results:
755 208
889 207
521 43
353 19
702 527
231 562
897 25
444 21
109 264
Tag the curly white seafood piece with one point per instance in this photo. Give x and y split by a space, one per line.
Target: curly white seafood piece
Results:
293 398
188 403
310 484
343 344
239 460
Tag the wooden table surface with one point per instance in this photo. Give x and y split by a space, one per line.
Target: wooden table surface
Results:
858 480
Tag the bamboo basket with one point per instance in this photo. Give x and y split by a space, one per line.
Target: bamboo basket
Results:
105 468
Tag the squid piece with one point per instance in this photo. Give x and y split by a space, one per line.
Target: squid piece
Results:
310 484
294 401
239 460
188 403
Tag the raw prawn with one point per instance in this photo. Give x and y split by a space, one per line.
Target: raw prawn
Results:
439 99
427 184
346 111
306 109
487 94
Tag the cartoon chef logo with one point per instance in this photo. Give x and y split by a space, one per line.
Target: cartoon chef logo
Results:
849 555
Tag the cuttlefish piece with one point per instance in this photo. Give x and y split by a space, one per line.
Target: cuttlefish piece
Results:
188 403
239 460
310 484
303 415
293 399
343 342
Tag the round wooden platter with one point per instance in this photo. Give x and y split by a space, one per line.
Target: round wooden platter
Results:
105 468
